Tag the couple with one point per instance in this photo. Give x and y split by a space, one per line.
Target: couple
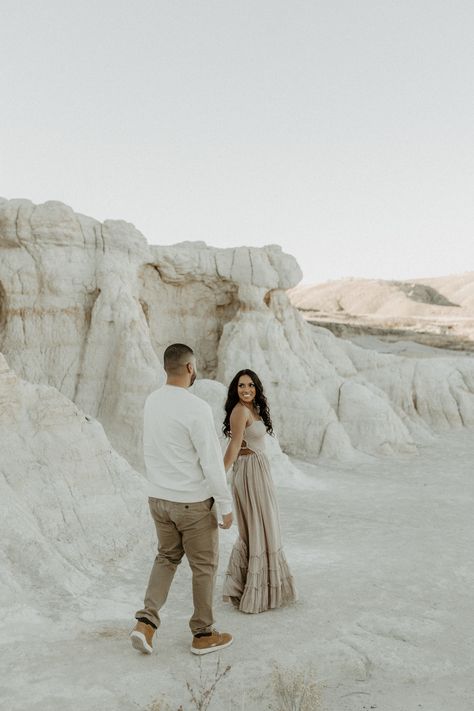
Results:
187 476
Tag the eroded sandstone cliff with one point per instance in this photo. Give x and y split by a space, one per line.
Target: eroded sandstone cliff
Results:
88 307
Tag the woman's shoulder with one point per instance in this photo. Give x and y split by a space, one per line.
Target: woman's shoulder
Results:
240 411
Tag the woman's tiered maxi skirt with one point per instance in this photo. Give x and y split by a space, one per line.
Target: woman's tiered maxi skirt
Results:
258 577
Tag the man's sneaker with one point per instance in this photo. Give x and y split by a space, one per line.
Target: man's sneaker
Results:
211 642
142 637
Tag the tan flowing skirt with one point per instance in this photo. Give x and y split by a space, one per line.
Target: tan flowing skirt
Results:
257 577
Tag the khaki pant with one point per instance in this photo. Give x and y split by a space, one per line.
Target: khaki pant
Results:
189 529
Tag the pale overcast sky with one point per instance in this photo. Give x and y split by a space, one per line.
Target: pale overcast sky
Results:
341 130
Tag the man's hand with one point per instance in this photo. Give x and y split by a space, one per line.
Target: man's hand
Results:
226 521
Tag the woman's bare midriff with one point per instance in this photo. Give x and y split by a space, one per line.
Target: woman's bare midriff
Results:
245 451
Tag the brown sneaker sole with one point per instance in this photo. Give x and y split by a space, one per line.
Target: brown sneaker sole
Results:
139 643
214 648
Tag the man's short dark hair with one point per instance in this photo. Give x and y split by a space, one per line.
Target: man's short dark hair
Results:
176 356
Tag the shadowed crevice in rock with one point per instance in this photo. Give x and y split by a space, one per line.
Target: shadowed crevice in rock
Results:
187 309
145 309
88 309
3 310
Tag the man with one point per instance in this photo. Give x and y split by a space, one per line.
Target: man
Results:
185 469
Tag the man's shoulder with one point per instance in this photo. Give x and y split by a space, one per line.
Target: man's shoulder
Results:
160 398
184 399
199 404
155 395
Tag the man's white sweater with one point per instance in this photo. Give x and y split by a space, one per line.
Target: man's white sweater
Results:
183 456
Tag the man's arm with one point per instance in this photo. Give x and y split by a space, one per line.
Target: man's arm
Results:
206 443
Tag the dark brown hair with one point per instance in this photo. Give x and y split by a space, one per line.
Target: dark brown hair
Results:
176 356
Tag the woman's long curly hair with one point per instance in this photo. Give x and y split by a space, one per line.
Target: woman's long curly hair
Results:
260 401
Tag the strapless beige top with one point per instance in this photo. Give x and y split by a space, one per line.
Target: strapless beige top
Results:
254 436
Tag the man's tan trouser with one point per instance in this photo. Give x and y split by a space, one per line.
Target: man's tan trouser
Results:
191 529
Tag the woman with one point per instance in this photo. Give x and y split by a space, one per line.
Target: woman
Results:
258 577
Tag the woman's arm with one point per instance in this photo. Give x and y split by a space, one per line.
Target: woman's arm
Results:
238 420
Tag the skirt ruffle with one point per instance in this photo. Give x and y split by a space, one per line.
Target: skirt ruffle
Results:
258 577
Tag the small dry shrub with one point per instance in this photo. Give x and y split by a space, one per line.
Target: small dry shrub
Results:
295 689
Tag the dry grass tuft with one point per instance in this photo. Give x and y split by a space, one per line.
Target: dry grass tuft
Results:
201 697
200 694
295 690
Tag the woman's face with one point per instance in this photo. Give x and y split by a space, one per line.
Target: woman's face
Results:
246 389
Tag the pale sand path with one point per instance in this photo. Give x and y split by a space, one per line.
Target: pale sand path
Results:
382 554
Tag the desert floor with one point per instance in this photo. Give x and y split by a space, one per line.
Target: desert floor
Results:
382 553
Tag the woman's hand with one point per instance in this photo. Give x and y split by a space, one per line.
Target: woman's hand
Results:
226 520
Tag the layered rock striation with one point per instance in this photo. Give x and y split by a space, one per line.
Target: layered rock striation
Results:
88 307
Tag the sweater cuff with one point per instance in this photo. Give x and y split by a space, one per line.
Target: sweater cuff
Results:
224 507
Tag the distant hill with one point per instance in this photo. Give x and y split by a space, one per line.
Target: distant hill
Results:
433 311
434 296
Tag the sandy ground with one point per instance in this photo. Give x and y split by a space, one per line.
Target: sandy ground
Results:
382 553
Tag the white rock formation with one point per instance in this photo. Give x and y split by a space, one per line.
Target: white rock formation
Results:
63 490
89 307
